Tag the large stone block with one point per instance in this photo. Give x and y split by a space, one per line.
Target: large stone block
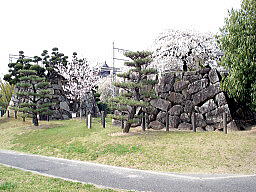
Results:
185 117
163 95
64 105
192 78
199 120
221 99
214 76
164 88
156 125
188 106
232 126
204 71
160 104
174 121
176 110
176 98
185 126
209 128
180 85
216 116
206 94
197 86
207 106
168 78
161 117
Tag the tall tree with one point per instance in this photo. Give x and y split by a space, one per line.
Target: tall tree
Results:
81 78
185 50
53 62
32 93
237 40
21 63
137 87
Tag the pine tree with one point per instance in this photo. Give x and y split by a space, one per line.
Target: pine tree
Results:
22 63
138 89
32 93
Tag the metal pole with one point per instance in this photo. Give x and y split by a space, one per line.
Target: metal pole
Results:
113 73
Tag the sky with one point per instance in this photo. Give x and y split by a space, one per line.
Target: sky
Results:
89 27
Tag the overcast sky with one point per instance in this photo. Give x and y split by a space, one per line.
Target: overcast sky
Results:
90 26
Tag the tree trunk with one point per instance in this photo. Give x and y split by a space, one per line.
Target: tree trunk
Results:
127 124
35 120
127 127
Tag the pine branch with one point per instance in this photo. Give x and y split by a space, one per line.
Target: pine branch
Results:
124 75
130 102
118 117
128 85
149 71
149 82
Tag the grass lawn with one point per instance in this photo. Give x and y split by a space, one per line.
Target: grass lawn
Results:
175 151
22 181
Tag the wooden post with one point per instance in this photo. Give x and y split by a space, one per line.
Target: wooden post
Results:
86 119
225 123
146 120
81 110
167 121
103 120
143 122
122 122
15 114
193 120
23 117
89 121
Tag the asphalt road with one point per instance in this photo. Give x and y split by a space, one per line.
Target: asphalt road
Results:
125 178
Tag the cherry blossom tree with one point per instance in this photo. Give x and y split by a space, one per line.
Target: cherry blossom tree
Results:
80 77
185 50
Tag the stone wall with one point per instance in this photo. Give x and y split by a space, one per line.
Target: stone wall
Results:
61 108
184 93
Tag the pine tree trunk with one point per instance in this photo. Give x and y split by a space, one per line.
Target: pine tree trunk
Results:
127 127
35 120
127 124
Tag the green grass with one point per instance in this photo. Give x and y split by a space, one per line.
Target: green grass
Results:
175 151
20 181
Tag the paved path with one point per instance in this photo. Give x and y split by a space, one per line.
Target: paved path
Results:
124 178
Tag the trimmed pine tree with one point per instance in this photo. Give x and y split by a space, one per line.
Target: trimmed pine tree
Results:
33 94
138 89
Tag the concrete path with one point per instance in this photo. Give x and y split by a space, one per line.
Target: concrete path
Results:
125 178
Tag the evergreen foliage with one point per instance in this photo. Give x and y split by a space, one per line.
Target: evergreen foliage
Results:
137 87
33 93
237 40
53 62
13 76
